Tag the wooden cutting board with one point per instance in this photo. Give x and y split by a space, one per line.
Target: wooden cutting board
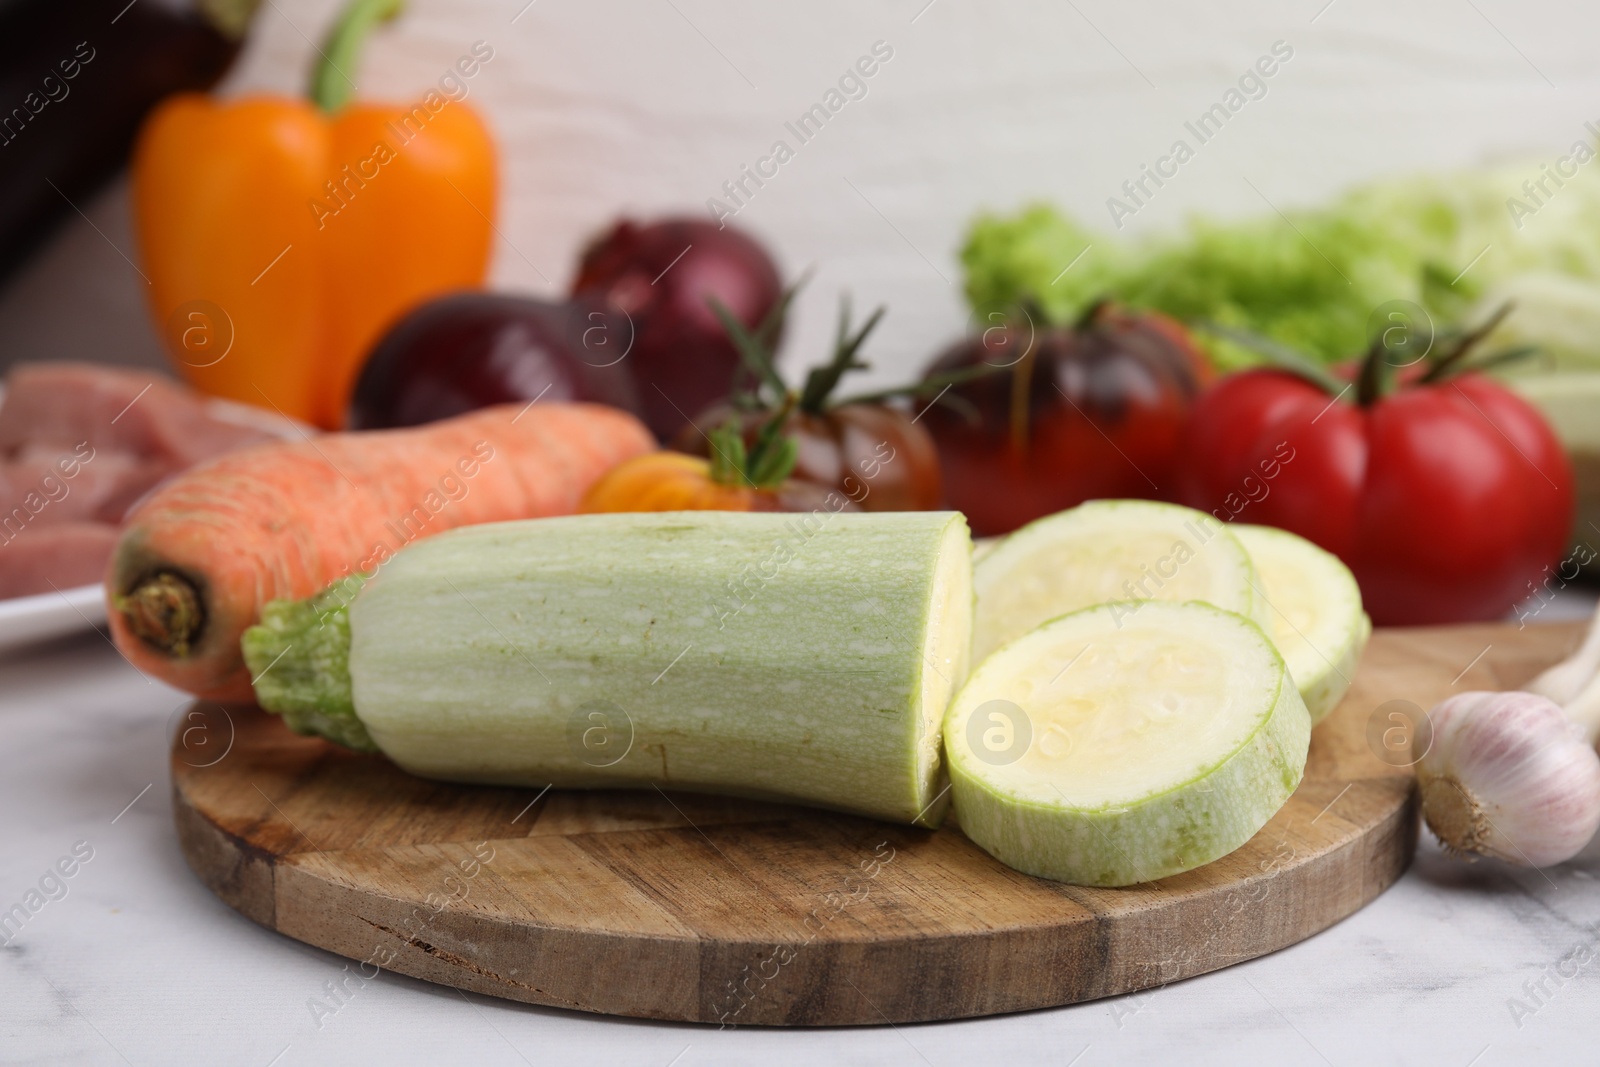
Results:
672 905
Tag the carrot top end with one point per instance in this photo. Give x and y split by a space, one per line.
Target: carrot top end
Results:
165 611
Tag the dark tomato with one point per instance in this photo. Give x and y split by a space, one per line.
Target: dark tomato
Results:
1083 412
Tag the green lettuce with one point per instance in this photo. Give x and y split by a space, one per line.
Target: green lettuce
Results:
1454 245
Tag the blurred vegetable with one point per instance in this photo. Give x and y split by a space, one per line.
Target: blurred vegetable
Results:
78 78
1557 313
662 275
1444 492
202 554
733 479
1087 412
471 350
872 453
281 236
1453 245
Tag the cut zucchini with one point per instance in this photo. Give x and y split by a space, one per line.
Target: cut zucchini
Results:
793 657
1104 551
1106 749
1314 608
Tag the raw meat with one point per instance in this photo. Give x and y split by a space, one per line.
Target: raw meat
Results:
114 410
65 556
58 485
79 444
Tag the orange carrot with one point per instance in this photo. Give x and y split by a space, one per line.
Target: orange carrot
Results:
199 558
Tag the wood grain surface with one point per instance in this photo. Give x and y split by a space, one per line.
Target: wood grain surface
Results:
672 905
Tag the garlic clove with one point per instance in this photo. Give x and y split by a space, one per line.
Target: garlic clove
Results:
1567 679
1509 775
1584 709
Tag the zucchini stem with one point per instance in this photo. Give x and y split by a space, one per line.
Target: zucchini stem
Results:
299 660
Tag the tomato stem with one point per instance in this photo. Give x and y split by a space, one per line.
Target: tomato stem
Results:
769 460
1090 313
816 396
1021 400
1280 356
933 383
331 84
755 348
1373 380
821 381
1450 363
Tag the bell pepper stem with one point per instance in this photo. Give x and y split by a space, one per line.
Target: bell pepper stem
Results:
331 84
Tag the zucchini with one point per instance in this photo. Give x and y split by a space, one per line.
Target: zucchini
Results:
1108 749
1105 551
788 657
1314 609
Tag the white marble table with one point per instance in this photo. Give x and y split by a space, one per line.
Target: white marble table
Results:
139 964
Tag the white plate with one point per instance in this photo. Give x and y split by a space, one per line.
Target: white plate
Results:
26 619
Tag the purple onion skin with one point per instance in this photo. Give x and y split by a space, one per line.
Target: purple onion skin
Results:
661 274
469 350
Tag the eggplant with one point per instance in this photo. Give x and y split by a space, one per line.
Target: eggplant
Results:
76 81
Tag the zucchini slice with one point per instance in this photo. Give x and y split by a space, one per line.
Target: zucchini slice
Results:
1105 551
1106 749
1314 611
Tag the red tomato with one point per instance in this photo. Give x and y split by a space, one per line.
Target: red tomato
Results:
1447 499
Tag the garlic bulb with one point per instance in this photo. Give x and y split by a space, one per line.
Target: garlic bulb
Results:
1509 775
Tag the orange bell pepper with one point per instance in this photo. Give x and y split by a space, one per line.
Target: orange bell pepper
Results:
281 237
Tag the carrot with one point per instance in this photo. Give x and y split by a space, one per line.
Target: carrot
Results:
198 559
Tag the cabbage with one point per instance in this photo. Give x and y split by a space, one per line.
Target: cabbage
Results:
1314 280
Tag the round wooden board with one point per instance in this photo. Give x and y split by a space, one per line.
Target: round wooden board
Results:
672 905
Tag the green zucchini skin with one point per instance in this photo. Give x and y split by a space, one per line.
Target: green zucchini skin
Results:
1178 829
299 660
791 657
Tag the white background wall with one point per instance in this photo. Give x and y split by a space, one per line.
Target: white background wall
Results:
647 106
